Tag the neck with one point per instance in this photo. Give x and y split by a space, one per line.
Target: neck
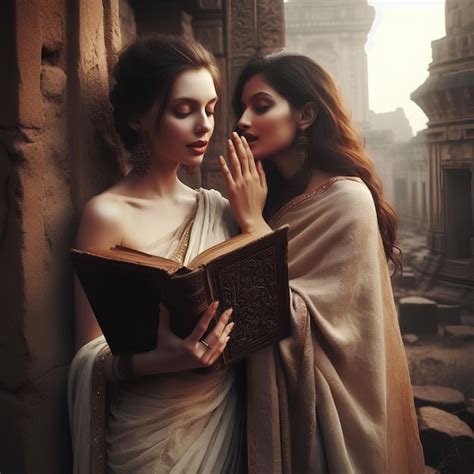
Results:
161 181
287 163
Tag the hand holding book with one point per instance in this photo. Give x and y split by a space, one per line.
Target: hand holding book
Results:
173 354
247 273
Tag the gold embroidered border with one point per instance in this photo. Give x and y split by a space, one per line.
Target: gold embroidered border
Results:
98 392
315 192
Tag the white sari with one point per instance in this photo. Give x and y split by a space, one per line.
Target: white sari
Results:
169 423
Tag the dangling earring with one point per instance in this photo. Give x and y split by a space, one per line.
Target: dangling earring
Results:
140 159
302 143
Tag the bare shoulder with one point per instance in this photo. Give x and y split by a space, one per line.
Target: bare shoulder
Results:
105 207
102 221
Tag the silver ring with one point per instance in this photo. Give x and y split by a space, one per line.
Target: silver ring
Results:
205 344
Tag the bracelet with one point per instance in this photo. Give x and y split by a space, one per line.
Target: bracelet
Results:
123 369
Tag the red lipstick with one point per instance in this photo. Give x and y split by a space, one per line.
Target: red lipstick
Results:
198 147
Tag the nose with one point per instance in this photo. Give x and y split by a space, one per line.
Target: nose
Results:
244 120
204 124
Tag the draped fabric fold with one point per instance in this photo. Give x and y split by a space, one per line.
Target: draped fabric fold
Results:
336 396
181 422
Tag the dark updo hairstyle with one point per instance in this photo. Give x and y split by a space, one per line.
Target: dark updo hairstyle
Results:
334 143
146 72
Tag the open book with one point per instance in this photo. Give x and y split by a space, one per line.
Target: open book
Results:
249 274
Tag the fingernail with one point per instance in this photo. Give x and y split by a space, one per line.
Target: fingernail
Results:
235 134
229 312
231 326
215 304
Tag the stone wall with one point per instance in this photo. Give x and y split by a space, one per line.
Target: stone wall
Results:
56 150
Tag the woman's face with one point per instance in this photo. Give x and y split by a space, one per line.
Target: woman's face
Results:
187 124
268 122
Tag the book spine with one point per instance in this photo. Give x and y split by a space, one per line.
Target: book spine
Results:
221 362
186 298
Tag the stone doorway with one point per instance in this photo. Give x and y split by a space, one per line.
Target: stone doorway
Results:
458 213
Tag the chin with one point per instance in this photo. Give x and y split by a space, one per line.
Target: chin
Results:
193 162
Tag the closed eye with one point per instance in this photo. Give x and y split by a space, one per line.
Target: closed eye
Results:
261 109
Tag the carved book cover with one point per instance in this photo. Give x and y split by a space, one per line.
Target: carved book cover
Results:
125 288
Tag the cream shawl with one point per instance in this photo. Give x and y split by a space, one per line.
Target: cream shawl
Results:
336 396
182 422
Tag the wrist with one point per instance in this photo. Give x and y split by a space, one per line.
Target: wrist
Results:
148 363
258 226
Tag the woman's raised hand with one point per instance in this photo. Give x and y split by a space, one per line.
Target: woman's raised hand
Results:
246 185
173 354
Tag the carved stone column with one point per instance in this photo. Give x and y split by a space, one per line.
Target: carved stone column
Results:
234 31
447 97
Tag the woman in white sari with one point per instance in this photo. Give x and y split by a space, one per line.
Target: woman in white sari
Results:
161 415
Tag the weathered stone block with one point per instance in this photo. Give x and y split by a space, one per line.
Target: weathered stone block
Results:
407 280
467 416
446 440
53 82
449 314
440 397
417 315
410 338
460 333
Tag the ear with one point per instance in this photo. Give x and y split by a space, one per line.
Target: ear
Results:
136 122
307 115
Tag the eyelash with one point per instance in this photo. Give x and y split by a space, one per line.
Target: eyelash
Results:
261 109
183 115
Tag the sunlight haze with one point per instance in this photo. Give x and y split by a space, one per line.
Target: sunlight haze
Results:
399 52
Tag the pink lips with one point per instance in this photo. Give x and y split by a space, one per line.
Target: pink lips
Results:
199 147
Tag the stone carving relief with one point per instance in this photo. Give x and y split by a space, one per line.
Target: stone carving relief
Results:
270 25
243 28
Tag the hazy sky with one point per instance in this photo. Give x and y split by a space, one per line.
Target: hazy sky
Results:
399 52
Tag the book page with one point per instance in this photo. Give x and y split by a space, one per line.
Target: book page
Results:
125 254
222 249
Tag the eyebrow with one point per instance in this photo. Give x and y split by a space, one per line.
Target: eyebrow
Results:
258 94
194 101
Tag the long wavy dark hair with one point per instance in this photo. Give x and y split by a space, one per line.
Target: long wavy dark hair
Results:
334 143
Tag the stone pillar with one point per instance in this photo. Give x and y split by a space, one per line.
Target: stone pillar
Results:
234 31
56 150
447 98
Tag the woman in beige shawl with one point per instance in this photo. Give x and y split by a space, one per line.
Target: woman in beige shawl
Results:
336 396
175 420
